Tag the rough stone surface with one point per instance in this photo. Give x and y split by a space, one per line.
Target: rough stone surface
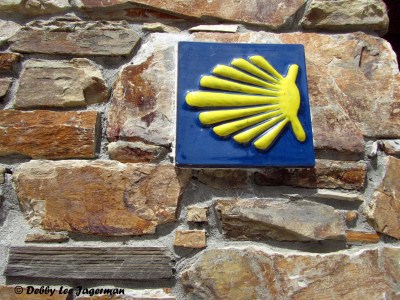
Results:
9 60
7 30
335 195
384 210
390 147
8 293
73 83
215 28
361 237
143 100
46 238
351 216
34 7
190 238
2 172
222 178
282 220
353 81
197 214
326 174
75 38
136 152
342 15
159 27
100 197
156 294
258 273
5 84
272 14
47 134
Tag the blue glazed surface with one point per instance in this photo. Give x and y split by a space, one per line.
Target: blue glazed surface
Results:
198 146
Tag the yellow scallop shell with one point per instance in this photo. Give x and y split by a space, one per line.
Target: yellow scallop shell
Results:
259 104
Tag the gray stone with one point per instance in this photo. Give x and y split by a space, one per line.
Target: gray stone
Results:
261 219
390 147
2 172
5 84
7 30
73 83
34 7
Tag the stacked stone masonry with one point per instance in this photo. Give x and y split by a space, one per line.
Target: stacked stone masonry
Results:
87 120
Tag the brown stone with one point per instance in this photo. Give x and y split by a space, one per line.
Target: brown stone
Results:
143 100
384 212
283 220
99 197
7 30
190 239
351 216
353 82
48 134
361 237
8 293
342 15
75 38
390 147
197 214
272 14
159 27
46 238
5 84
222 178
9 60
73 83
136 152
35 7
259 273
326 174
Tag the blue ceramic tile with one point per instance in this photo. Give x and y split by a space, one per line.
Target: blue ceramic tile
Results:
209 140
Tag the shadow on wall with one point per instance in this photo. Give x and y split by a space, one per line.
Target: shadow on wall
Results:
393 36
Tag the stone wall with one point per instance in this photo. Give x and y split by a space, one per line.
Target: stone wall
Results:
87 124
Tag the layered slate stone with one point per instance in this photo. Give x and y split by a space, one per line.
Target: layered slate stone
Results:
260 273
9 60
73 83
35 7
70 37
361 237
136 152
272 14
49 134
282 220
342 15
5 84
7 292
7 30
46 238
100 197
326 174
143 100
190 239
353 82
384 213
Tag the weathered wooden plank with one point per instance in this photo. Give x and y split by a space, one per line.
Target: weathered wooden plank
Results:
90 263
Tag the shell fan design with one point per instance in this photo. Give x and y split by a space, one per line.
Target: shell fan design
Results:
250 101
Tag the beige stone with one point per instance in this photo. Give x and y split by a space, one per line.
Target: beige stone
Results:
351 216
341 196
2 172
390 147
222 178
197 214
46 238
283 220
244 273
136 152
9 60
215 28
73 83
49 134
7 292
190 239
77 38
326 174
34 7
99 197
159 27
361 237
5 84
7 30
342 15
384 210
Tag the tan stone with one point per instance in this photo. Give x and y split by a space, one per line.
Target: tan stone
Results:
5 84
222 178
159 27
136 152
190 239
390 147
272 14
75 38
342 15
326 174
46 238
8 293
7 30
2 172
34 7
384 212
351 216
283 220
362 237
335 195
9 60
99 197
73 83
197 214
48 134
259 273
215 28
